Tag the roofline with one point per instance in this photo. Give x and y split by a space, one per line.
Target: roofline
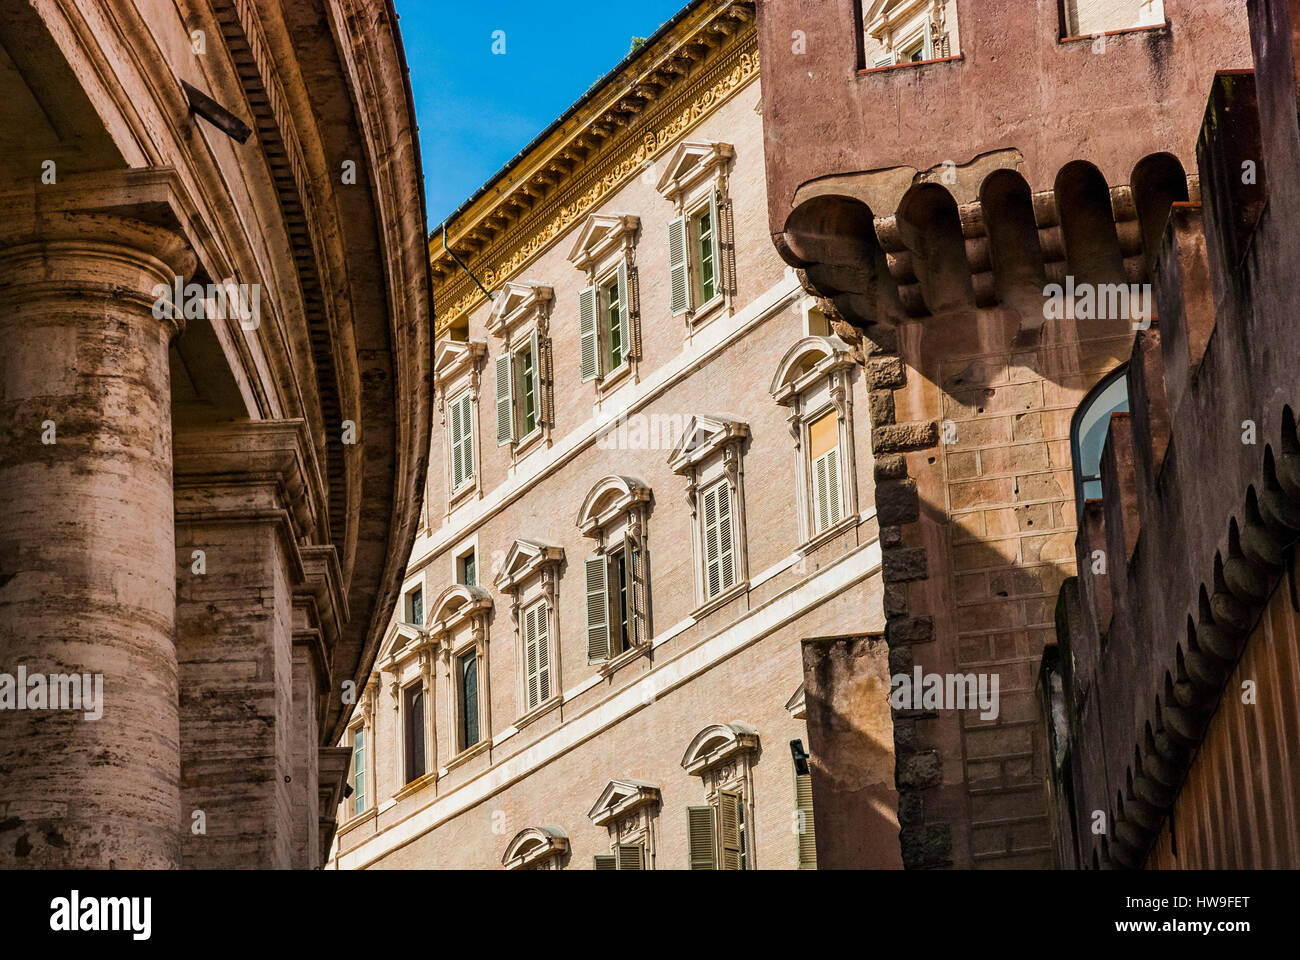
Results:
632 57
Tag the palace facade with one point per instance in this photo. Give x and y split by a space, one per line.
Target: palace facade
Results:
649 483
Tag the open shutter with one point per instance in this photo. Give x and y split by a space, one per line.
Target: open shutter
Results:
605 861
624 310
927 48
715 239
505 401
597 610
640 615
726 548
729 830
530 655
678 272
631 856
541 626
535 352
589 343
807 833
701 842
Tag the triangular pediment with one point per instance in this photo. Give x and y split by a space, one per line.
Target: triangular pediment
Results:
523 560
704 435
691 161
455 356
600 233
514 301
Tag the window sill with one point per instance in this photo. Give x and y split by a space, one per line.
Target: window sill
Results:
830 533
521 448
610 381
706 312
1091 37
538 711
465 756
614 664
721 600
911 63
415 786
458 497
355 821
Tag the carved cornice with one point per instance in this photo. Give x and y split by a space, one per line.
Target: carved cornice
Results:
656 129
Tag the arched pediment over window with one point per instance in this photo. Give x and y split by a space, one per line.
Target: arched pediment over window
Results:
807 362
456 605
718 742
534 844
608 500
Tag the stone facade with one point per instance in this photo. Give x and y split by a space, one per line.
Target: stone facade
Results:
201 501
701 377
1029 161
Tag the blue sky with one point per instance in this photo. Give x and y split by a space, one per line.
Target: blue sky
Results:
477 109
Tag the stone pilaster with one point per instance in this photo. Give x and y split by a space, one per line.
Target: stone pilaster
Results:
86 541
246 494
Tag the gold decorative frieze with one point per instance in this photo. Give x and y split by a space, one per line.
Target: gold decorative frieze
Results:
700 96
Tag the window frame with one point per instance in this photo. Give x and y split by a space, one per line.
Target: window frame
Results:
1089 400
359 802
408 728
722 755
462 743
457 373
696 181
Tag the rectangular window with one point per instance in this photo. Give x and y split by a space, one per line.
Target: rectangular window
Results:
719 552
462 441
528 384
616 601
467 681
415 606
620 573
824 455
1090 17
358 770
702 226
467 569
413 720
537 658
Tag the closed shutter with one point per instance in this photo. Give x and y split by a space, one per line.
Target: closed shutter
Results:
466 438
719 548
505 401
597 610
835 506
701 842
589 342
886 61
729 830
539 406
530 655
457 476
631 856
803 799
678 270
605 861
542 618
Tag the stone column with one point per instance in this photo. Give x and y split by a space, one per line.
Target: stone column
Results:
87 579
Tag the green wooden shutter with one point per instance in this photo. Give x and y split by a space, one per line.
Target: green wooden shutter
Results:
729 830
678 270
803 799
530 655
700 838
587 335
715 239
636 592
834 500
505 401
466 437
927 48
624 311
712 568
457 476
605 861
541 625
538 405
726 546
597 610
631 856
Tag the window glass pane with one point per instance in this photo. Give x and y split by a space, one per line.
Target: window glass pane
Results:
704 246
416 606
469 701
1090 434
823 435
414 715
469 570
529 398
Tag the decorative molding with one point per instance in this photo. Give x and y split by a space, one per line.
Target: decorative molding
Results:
718 743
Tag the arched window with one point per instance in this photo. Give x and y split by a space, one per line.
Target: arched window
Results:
1088 433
